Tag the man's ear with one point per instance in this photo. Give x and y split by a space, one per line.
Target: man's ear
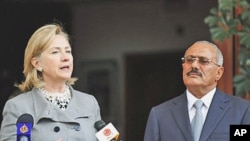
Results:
220 72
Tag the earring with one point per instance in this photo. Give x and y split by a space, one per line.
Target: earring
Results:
40 69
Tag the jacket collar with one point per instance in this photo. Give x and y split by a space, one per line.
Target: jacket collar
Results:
180 111
45 109
218 108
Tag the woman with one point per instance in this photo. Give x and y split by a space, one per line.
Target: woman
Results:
60 113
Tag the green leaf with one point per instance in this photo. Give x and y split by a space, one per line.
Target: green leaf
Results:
238 78
245 14
226 4
219 34
243 71
211 20
214 11
241 86
244 38
244 3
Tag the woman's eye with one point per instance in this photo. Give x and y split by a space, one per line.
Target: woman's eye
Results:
54 52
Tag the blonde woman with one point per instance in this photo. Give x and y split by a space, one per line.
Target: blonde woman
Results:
60 113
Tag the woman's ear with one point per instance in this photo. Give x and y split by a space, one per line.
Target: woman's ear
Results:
36 64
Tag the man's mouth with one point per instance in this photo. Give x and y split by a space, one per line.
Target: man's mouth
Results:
194 73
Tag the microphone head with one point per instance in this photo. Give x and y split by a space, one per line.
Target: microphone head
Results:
25 118
100 124
107 131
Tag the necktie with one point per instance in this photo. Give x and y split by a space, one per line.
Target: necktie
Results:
197 122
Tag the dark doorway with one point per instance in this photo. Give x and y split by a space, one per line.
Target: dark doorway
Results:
150 80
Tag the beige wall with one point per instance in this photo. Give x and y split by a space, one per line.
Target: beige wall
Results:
110 30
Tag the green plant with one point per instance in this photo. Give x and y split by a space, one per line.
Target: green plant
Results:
232 19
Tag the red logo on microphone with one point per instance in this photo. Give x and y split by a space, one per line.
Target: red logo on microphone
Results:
106 132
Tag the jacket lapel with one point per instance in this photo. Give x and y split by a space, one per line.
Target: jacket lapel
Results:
45 109
41 105
180 113
217 109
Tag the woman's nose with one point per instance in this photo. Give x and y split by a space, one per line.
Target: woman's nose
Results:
65 56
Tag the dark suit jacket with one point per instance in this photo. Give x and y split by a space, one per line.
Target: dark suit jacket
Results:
169 121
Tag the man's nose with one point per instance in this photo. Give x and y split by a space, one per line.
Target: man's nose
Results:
195 62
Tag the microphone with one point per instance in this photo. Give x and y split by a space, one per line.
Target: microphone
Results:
106 132
24 125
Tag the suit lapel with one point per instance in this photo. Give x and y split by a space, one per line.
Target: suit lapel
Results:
41 106
217 109
45 109
180 113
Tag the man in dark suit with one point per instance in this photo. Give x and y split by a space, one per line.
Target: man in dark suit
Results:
173 120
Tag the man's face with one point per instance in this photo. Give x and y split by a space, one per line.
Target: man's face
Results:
200 69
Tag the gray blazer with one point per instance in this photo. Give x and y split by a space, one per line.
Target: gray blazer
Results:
169 121
76 123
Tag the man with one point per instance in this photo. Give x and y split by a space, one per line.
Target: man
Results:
173 120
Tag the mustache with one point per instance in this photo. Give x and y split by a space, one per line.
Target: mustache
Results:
194 71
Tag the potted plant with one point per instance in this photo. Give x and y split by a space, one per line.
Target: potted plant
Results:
231 18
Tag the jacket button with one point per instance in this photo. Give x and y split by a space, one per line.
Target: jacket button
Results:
57 129
77 128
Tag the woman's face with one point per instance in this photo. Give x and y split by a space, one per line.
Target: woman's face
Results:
57 61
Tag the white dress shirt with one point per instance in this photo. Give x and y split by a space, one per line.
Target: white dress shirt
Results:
206 99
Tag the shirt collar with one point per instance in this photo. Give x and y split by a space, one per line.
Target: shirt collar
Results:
206 99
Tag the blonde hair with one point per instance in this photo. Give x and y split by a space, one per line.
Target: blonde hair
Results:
38 42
